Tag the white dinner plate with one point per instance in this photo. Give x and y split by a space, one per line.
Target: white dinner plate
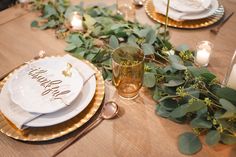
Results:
189 6
160 7
41 86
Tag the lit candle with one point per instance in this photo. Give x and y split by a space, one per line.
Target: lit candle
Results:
76 22
23 1
202 57
204 50
232 78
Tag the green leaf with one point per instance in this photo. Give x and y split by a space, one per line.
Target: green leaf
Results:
177 62
148 49
228 106
141 33
52 23
157 94
182 47
179 111
212 137
34 23
113 42
151 37
161 111
132 41
228 139
174 83
195 106
169 104
70 47
203 72
149 80
200 123
227 93
117 26
89 21
49 11
227 114
189 143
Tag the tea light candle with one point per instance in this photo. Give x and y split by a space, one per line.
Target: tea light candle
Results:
204 50
76 22
24 1
202 57
232 78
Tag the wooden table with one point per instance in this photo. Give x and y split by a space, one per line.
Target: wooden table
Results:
137 131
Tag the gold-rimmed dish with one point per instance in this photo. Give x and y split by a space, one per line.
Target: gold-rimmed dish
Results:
187 24
55 131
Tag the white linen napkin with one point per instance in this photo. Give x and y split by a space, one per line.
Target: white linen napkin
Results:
160 7
20 117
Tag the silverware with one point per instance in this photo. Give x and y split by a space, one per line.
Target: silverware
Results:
41 54
109 110
217 28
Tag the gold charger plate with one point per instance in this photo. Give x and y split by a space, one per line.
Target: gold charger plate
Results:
188 24
55 131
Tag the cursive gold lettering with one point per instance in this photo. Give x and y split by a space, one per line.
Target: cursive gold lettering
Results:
50 86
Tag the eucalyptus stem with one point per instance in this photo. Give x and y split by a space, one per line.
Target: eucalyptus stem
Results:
166 19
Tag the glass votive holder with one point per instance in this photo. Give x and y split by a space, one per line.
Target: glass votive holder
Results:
203 53
127 70
230 76
75 22
126 9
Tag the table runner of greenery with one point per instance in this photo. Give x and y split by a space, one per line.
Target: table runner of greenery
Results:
184 93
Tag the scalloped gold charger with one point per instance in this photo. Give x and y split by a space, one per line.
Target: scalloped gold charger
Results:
55 131
188 24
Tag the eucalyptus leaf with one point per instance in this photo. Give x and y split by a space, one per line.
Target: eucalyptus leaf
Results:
70 47
178 66
149 80
189 143
182 47
157 94
89 21
228 139
148 49
34 23
227 114
212 137
195 106
113 42
227 93
227 105
200 123
174 83
169 104
161 111
150 37
179 111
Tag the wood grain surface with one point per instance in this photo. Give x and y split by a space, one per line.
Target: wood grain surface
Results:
137 131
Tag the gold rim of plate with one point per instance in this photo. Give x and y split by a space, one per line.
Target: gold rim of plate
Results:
59 130
187 24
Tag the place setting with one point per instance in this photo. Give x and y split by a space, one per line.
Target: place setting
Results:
49 97
190 14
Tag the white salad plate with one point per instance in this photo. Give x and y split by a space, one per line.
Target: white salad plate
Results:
41 86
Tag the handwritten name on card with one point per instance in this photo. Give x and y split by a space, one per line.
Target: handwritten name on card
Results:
49 86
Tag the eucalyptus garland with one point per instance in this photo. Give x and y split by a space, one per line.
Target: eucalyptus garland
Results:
184 93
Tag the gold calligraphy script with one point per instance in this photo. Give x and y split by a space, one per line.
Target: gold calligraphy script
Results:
50 86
